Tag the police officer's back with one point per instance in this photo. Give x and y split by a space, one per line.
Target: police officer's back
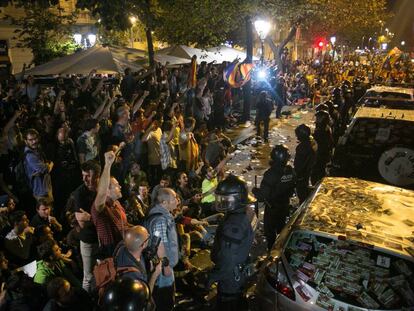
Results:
305 157
275 190
232 244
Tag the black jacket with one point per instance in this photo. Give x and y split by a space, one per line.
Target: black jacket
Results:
305 157
277 186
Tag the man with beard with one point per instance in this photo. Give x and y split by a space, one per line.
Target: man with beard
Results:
37 167
80 203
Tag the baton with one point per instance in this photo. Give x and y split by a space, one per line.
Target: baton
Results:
256 204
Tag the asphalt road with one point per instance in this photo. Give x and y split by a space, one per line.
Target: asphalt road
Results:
250 161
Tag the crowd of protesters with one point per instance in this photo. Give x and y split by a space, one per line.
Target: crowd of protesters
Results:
85 162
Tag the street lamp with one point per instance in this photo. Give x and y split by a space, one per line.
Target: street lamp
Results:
78 38
133 21
92 39
402 43
333 40
262 27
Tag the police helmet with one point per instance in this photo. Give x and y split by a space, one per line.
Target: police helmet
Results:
323 107
232 193
322 117
127 294
280 155
346 83
302 132
336 92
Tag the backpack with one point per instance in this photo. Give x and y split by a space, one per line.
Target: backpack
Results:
105 273
19 170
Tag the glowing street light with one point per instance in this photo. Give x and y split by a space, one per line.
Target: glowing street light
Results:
78 38
402 43
133 20
92 39
262 28
333 40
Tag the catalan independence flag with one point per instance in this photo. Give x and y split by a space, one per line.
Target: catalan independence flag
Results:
192 77
237 74
388 63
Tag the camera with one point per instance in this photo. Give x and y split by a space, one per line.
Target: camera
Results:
150 253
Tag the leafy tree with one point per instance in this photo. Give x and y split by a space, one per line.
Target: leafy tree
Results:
45 30
113 37
348 20
115 15
201 22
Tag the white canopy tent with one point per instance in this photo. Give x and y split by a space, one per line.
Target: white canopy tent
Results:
105 60
219 54
141 56
228 54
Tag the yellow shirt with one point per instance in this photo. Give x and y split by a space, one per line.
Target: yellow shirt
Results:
206 186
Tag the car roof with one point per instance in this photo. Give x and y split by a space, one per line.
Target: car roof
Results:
384 113
363 211
391 89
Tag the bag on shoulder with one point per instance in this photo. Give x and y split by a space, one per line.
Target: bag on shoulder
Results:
19 170
105 273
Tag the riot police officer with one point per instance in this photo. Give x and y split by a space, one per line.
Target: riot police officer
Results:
127 294
324 139
232 244
276 189
305 156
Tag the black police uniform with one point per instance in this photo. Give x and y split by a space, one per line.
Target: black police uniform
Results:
305 157
230 254
324 139
233 241
264 109
276 189
281 98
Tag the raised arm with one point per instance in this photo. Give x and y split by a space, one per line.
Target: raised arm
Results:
138 103
88 80
99 87
11 122
100 108
104 182
147 133
171 134
223 162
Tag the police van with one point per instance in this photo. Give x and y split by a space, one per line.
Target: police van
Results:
378 145
349 247
382 91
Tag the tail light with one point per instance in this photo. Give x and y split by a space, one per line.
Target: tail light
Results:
277 277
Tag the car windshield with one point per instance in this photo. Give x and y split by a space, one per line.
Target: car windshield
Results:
345 272
388 95
394 103
371 132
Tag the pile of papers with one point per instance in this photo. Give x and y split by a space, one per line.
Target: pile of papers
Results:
345 272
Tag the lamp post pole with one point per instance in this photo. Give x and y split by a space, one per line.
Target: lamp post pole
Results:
333 40
133 20
262 28
262 54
